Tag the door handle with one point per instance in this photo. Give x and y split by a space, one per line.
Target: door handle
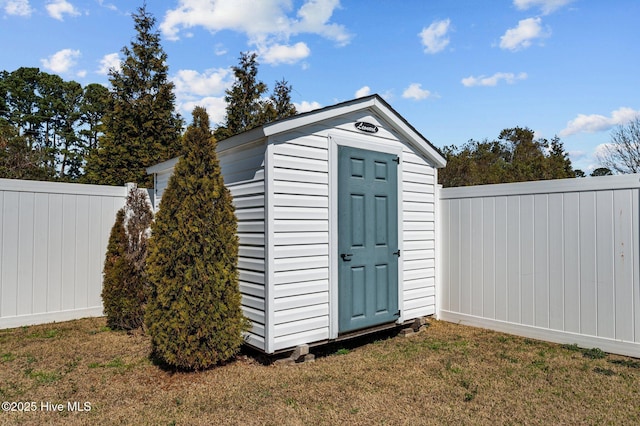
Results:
346 257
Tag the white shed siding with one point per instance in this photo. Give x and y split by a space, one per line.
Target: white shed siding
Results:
418 235
300 242
243 173
301 228
248 198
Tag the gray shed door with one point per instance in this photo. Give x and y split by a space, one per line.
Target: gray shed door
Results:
367 238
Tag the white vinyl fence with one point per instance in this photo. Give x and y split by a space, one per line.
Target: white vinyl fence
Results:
53 239
554 260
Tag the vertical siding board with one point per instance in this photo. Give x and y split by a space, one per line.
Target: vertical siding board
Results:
96 252
541 261
635 205
572 262
10 240
477 253
588 273
55 249
465 256
2 217
25 282
527 235
455 251
501 258
623 250
445 255
489 255
556 262
605 272
40 255
513 259
81 271
69 250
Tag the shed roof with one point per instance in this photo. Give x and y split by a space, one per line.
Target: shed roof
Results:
374 103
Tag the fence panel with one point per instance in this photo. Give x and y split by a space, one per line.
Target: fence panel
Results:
555 260
53 239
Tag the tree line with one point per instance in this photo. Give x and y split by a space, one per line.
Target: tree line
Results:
48 126
51 129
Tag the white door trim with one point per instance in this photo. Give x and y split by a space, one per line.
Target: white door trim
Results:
369 143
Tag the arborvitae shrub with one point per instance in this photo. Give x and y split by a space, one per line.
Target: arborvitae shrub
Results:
124 285
194 316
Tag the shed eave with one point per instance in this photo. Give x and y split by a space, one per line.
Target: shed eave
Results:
165 165
373 103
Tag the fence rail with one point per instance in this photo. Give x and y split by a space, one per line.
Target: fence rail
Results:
554 260
53 239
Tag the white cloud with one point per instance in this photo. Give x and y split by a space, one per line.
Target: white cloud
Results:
108 62
61 61
268 24
434 37
522 36
283 54
547 6
493 80
315 15
209 83
18 8
58 8
598 123
109 6
363 91
306 106
215 106
416 92
205 89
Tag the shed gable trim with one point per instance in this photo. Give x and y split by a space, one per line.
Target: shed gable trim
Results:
374 103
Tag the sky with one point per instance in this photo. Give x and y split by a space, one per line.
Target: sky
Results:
455 69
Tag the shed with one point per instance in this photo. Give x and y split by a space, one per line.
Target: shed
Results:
336 217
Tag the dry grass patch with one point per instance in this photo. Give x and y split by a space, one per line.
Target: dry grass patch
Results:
445 374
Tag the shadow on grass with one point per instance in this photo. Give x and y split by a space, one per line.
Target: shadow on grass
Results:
340 346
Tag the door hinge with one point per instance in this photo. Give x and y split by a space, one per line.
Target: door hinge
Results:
397 314
397 160
397 253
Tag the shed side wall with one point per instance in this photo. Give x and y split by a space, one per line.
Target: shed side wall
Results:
243 171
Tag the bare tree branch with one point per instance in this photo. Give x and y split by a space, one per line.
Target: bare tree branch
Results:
622 153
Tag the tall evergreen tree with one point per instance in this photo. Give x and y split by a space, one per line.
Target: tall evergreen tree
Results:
141 127
244 109
193 315
94 105
247 107
279 105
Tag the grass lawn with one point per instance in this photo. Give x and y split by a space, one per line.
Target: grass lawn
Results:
446 374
